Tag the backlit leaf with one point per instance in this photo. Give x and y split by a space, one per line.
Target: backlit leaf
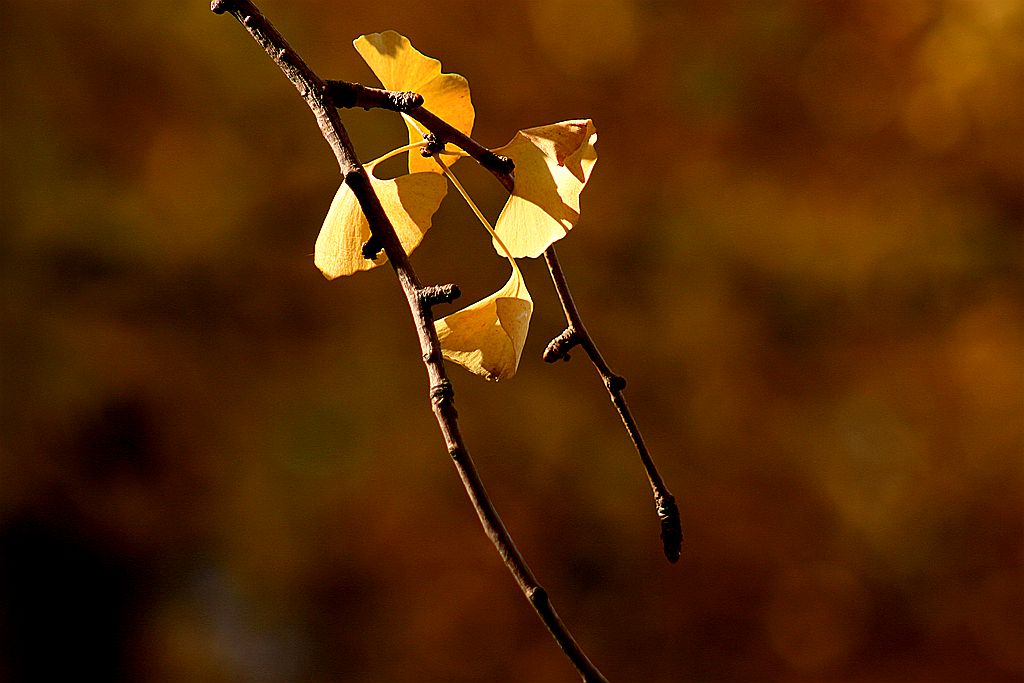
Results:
487 337
400 66
553 164
409 201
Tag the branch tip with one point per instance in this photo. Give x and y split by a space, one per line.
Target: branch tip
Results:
433 295
220 6
559 347
671 527
404 100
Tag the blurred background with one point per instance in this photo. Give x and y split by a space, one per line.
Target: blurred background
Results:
802 245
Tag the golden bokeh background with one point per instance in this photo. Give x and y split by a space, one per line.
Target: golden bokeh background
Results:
802 245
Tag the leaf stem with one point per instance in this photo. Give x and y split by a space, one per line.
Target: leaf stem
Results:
394 153
476 210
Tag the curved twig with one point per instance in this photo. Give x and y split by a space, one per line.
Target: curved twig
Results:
317 96
575 333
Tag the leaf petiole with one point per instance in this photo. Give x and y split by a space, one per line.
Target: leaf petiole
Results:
395 152
479 214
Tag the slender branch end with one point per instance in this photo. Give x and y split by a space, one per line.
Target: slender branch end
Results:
404 100
559 347
438 294
671 527
220 6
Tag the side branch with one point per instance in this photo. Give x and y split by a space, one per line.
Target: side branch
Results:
420 299
575 333
665 503
502 167
559 347
355 95
438 294
348 95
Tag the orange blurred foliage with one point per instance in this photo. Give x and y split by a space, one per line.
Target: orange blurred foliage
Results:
802 246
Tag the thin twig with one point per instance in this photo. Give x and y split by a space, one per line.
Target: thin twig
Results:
347 95
314 91
575 333
368 98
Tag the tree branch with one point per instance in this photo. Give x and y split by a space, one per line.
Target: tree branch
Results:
361 96
315 92
575 333
347 95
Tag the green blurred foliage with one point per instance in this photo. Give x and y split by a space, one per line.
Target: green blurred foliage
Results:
802 245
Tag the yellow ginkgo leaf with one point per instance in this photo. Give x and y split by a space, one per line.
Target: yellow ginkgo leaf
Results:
400 66
487 337
553 164
409 201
